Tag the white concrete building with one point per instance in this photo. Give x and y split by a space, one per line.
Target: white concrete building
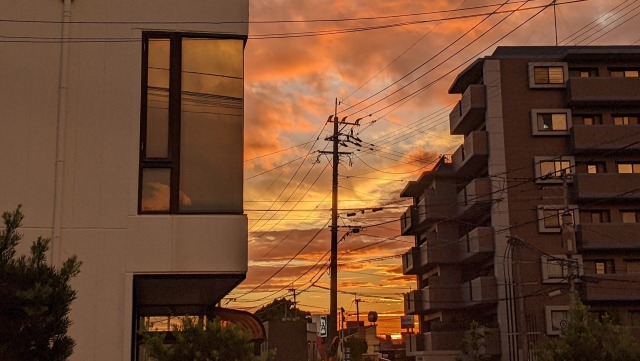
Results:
122 136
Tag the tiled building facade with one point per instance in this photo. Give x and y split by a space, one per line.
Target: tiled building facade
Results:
543 196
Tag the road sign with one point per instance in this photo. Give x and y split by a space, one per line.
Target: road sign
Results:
323 326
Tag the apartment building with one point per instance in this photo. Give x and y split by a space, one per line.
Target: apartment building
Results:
542 196
122 137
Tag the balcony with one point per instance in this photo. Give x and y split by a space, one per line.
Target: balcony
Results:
471 157
476 245
438 206
598 138
410 261
614 287
415 343
408 221
596 236
468 114
475 199
449 340
441 297
480 290
413 302
619 187
603 90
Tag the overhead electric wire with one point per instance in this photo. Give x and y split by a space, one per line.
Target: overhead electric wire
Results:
423 64
54 40
399 56
411 95
586 28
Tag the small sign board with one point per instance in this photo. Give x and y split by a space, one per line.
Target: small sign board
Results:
347 354
406 322
322 332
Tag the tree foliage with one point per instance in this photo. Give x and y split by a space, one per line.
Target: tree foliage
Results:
357 347
35 299
193 342
279 309
473 344
588 337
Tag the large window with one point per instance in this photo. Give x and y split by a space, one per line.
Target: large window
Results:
625 120
587 119
624 73
550 218
626 168
557 319
553 169
558 268
551 121
191 124
547 74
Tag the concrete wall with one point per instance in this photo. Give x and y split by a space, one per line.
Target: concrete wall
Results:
99 220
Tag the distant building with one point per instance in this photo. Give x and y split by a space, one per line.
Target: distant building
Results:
543 194
122 136
293 340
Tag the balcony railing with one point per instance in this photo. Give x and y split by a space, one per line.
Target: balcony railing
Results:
480 290
603 90
476 245
619 187
606 137
473 201
597 236
471 157
468 114
415 343
413 302
614 287
408 221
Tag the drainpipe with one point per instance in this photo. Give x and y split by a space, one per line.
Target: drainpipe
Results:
60 133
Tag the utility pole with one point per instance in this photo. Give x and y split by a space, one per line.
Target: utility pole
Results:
569 235
516 258
332 324
555 21
295 314
333 308
357 301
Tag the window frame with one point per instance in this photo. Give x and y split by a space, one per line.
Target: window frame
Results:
542 228
172 161
534 65
537 163
609 266
624 72
548 311
635 167
625 117
564 264
535 124
634 212
596 119
604 215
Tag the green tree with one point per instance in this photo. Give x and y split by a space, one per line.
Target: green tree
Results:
35 299
281 308
588 337
193 342
357 347
473 344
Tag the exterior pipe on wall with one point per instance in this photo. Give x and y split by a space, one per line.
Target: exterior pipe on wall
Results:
60 135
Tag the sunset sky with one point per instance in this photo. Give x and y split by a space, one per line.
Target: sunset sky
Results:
391 62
